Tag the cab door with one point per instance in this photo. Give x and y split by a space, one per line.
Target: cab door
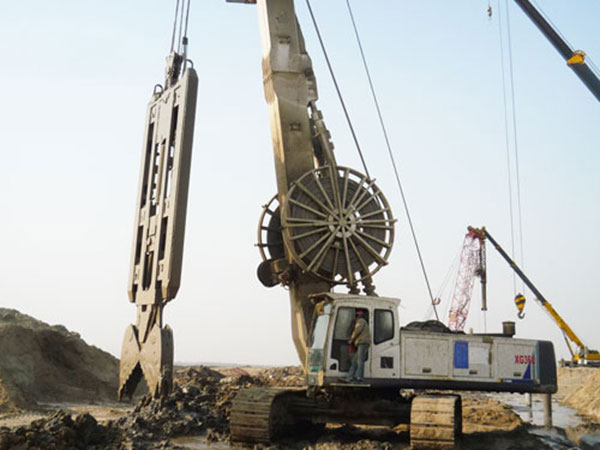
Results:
340 356
385 335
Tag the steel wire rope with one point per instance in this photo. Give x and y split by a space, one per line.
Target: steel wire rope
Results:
443 286
446 278
545 16
451 271
187 18
185 36
174 26
337 88
180 28
516 146
507 144
391 154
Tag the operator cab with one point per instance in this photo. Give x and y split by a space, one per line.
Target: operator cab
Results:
329 354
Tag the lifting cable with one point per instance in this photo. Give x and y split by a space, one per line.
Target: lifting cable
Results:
452 270
384 133
337 88
174 26
514 140
391 154
180 27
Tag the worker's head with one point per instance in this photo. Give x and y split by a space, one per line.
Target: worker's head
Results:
360 313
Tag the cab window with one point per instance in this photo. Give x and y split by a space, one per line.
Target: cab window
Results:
344 323
384 325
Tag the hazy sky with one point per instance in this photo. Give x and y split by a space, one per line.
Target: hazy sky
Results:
76 78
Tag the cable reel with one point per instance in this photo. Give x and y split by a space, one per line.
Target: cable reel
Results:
274 268
340 231
270 243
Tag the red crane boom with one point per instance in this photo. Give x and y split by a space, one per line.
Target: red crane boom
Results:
472 264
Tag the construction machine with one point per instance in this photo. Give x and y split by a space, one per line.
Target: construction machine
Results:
581 355
156 257
472 264
330 226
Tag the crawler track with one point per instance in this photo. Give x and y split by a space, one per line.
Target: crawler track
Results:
435 421
258 415
262 415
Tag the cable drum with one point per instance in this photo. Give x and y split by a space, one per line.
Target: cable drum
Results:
270 243
340 231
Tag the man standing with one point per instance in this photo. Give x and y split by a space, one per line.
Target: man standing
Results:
361 338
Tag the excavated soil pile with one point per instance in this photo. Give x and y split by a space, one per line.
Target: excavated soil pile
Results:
579 388
59 431
199 405
483 414
43 363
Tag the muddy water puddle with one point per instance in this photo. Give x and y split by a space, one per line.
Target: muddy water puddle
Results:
562 416
569 430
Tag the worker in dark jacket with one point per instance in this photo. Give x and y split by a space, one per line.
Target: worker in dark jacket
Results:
360 338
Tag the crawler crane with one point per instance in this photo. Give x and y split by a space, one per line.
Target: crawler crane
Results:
327 226
330 225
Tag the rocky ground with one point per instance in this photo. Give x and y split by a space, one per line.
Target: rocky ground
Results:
56 392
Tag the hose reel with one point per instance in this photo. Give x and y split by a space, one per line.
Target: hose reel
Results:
341 231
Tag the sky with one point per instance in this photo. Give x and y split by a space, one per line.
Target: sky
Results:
77 76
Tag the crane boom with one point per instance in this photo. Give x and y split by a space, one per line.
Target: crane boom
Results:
472 264
583 353
327 224
575 58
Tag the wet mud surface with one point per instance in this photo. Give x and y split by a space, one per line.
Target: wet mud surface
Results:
196 416
51 399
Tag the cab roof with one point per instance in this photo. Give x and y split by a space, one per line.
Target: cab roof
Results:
355 299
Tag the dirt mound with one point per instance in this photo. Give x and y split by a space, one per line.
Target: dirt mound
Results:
44 363
198 405
580 389
283 376
59 431
484 414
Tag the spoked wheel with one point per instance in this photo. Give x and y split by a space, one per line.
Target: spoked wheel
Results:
341 231
270 243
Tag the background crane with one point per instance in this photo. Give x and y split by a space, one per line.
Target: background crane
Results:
472 264
576 59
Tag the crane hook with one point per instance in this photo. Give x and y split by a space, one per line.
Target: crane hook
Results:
520 304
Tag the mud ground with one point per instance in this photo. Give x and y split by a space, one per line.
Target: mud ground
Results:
199 410
57 392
